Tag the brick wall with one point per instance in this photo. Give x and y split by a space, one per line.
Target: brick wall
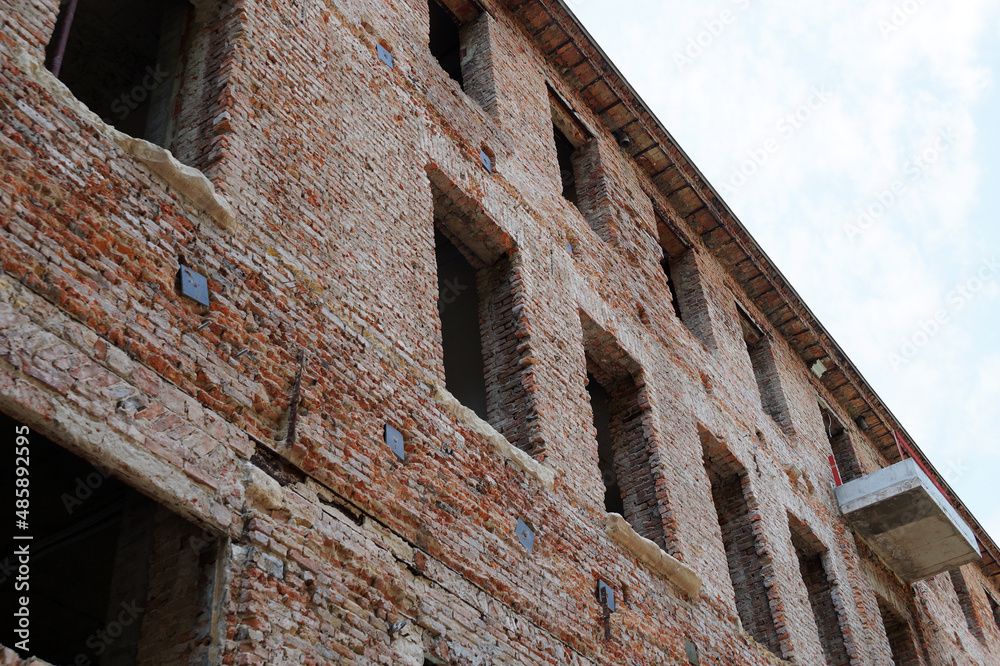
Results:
744 553
966 603
820 588
900 636
180 621
336 166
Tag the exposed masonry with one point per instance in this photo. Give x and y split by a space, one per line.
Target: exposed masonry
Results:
966 602
129 581
311 180
190 182
995 608
899 635
765 370
749 566
840 444
821 587
627 451
680 269
490 296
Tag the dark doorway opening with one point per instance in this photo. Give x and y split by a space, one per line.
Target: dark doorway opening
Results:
114 577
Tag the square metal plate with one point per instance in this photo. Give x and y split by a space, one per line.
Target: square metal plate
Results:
384 54
394 439
525 535
194 285
605 589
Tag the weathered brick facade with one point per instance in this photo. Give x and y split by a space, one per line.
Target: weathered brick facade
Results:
318 182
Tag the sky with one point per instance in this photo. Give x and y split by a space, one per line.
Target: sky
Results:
859 142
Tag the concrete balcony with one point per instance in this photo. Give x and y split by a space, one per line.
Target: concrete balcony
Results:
904 518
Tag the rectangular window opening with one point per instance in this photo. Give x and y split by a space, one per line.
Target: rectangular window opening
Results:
485 334
108 561
574 146
123 60
446 40
995 606
625 443
599 399
683 280
623 451
459 38
746 566
967 604
900 636
565 152
820 588
458 308
840 445
765 370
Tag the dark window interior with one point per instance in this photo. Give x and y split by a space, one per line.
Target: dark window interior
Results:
564 153
819 587
765 370
840 444
599 399
99 576
446 40
996 610
967 604
674 299
897 630
458 306
121 60
743 551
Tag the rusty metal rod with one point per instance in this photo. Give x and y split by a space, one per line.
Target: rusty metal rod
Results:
57 58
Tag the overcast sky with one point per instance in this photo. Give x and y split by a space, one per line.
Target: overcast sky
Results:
859 142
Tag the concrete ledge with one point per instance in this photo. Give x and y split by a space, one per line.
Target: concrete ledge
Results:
189 181
471 420
901 514
648 552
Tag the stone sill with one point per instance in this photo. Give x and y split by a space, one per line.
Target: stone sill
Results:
471 420
649 553
189 181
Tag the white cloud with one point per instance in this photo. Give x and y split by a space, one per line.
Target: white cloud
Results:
893 97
